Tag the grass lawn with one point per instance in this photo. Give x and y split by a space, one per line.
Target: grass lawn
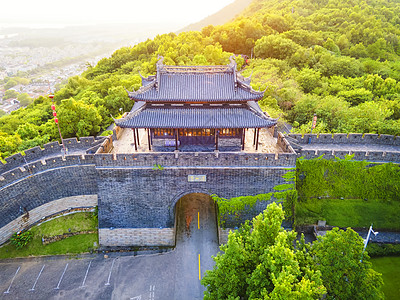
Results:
389 267
349 213
72 245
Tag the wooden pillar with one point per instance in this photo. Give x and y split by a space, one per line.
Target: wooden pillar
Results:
148 138
243 137
216 139
258 135
134 138
137 136
254 138
176 139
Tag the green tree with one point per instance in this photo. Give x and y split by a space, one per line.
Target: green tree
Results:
338 256
309 79
10 83
24 99
10 94
260 262
9 144
78 119
275 46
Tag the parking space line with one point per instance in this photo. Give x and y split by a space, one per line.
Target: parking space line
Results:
152 288
62 275
87 271
8 290
109 275
40 273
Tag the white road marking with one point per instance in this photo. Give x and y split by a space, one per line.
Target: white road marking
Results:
137 298
87 271
40 273
109 275
8 290
62 275
152 288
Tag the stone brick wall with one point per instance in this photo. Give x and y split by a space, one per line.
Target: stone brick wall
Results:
145 198
49 149
223 235
359 142
351 138
137 237
39 183
106 146
38 213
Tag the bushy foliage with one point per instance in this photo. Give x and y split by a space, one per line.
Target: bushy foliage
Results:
21 239
330 178
260 261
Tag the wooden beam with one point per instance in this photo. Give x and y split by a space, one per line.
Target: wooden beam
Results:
258 135
216 139
176 139
254 138
243 137
148 138
134 138
137 136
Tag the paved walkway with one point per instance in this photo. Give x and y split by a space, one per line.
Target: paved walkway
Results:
383 237
351 147
125 144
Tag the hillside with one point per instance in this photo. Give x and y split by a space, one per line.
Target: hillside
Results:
226 14
339 60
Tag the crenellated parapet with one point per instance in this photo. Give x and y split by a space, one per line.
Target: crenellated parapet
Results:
369 147
344 138
73 146
199 159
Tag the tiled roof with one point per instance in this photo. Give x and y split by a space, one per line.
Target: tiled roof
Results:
196 84
206 116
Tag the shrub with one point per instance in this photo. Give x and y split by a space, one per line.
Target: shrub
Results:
20 240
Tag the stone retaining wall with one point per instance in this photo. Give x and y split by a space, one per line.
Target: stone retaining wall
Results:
223 235
42 211
118 237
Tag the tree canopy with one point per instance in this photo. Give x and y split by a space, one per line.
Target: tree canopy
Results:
260 261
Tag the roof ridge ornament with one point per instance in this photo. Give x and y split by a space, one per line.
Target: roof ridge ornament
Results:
160 67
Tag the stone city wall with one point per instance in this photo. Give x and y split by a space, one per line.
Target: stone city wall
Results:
106 146
120 237
49 149
40 183
344 138
38 213
350 139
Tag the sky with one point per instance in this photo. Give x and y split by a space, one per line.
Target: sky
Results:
44 13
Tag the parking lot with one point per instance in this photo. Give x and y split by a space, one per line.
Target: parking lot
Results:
119 277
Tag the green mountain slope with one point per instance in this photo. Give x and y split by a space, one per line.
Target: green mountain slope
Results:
226 14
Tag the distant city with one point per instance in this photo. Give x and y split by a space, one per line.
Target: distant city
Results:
47 57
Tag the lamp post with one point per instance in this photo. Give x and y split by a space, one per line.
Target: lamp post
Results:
314 123
53 107
367 240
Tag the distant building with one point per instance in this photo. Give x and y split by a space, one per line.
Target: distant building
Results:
196 107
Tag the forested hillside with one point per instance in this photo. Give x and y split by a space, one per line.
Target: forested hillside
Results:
338 59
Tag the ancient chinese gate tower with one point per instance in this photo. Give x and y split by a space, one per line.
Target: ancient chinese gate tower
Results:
196 108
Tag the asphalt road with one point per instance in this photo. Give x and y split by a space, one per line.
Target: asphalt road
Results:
171 275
